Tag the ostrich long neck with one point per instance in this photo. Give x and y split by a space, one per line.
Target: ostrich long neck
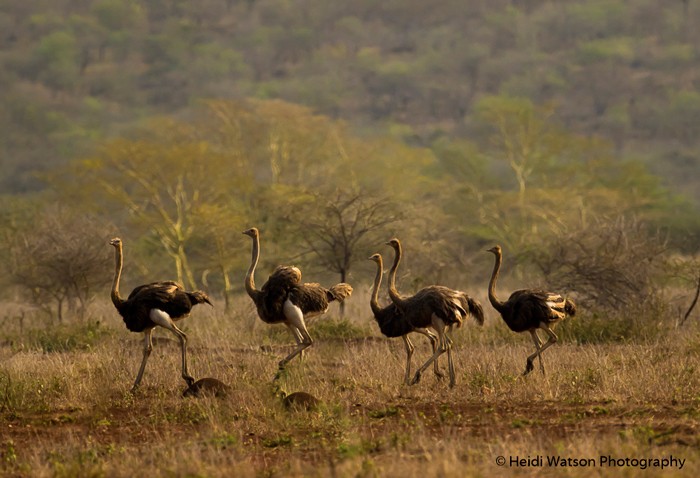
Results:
374 299
249 279
393 293
498 305
119 261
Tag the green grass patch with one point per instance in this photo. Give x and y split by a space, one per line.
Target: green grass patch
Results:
66 338
338 329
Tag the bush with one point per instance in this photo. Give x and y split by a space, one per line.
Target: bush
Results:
613 269
611 265
66 338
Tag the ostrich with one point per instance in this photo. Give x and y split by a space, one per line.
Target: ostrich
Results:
392 322
529 310
434 306
152 305
284 299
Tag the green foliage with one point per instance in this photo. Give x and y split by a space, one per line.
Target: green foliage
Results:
338 329
66 338
639 323
275 442
383 413
27 393
56 58
614 50
682 115
116 14
538 117
415 65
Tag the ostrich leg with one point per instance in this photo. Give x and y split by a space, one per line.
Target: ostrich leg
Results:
147 348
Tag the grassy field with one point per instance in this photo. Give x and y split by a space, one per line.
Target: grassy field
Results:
65 409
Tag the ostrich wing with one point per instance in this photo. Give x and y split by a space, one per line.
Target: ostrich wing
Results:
310 298
284 275
276 290
167 296
167 284
532 306
438 300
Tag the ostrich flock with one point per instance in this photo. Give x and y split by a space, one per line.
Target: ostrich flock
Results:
283 299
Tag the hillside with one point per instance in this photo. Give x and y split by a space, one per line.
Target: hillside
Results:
73 72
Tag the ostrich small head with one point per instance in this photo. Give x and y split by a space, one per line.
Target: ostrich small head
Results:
496 250
201 297
116 242
252 232
394 242
375 257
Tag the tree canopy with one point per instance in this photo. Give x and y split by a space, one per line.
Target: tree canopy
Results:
449 124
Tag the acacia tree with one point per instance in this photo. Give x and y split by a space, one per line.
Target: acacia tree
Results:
189 183
336 227
60 260
522 136
218 246
165 178
150 181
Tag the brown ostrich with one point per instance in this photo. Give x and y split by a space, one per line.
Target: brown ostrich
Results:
392 322
529 310
437 307
283 299
152 305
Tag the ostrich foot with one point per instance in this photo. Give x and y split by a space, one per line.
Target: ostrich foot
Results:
439 374
529 367
280 371
416 379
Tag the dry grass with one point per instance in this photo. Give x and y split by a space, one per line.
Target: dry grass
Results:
66 411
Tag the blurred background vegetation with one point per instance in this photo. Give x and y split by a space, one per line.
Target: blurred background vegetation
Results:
568 132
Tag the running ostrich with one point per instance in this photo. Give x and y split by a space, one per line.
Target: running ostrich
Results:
283 299
529 310
392 322
437 307
152 305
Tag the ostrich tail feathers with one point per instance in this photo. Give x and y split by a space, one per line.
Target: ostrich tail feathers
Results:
476 310
570 307
340 292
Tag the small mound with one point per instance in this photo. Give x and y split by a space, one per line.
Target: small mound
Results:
207 386
300 401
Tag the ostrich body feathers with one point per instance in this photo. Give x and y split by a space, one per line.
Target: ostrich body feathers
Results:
152 305
284 284
451 306
284 299
391 322
168 296
526 309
